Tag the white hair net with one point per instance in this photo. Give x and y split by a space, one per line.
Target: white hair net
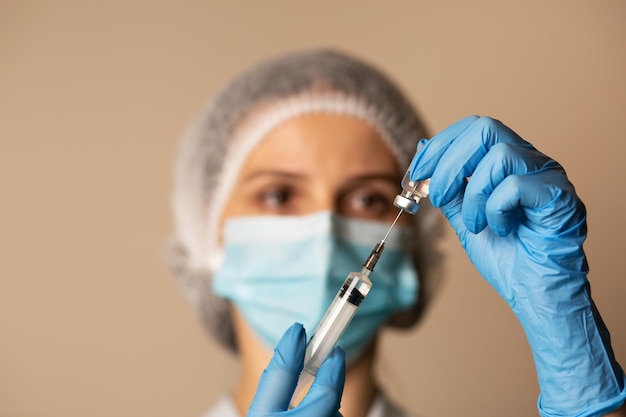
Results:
236 118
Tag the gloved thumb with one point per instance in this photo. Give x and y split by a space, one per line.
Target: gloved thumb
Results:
324 396
279 379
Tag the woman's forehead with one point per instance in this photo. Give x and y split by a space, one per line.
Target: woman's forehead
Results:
318 140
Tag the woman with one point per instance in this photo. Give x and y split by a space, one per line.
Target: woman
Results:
286 181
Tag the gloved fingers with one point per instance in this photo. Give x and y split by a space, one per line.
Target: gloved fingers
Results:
545 201
324 396
429 151
459 155
501 161
278 381
453 212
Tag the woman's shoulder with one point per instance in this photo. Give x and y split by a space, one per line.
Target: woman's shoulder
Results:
382 407
224 407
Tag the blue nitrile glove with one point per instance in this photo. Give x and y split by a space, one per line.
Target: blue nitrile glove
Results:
531 253
279 380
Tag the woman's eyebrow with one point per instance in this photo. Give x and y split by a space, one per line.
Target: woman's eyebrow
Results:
273 173
385 176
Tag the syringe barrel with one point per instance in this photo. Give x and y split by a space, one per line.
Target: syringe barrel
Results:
330 329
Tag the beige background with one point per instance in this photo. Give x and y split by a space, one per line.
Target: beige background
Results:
93 96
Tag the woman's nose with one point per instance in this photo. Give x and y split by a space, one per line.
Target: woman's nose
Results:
323 199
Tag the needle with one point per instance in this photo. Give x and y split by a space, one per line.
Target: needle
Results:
392 225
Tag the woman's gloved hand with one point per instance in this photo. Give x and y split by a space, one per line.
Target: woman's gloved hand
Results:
523 226
279 380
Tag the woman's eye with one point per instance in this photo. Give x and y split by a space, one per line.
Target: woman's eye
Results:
372 205
371 200
276 199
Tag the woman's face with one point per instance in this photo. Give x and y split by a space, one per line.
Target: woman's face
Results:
317 162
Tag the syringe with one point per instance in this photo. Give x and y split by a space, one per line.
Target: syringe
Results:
337 318
353 291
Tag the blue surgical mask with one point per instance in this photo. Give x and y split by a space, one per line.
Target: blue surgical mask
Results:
278 270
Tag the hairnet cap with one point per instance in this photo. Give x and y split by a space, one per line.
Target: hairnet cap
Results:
235 119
